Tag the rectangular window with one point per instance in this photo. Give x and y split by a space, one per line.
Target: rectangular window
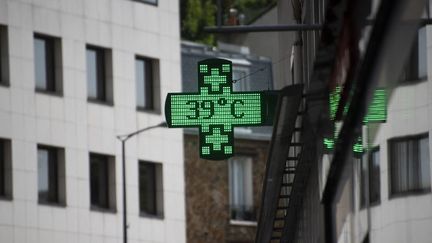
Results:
363 180
416 67
409 164
241 189
5 169
2 170
144 83
47 61
102 181
4 56
51 179
150 189
240 79
374 177
99 74
370 172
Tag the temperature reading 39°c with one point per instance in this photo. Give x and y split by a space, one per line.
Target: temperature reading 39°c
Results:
206 108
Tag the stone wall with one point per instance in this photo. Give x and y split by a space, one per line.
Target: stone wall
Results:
207 193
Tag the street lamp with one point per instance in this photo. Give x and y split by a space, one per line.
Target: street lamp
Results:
123 139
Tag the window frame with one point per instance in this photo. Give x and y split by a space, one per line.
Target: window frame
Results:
158 198
104 75
363 173
101 94
371 176
54 166
417 191
253 212
149 87
407 76
6 163
53 64
110 192
4 56
2 169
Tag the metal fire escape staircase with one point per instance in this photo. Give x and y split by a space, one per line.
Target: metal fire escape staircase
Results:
285 173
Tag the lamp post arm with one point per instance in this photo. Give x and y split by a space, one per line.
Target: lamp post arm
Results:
125 137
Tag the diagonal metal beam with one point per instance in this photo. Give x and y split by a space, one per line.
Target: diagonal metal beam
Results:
288 105
262 28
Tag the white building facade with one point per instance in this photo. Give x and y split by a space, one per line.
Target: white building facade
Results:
74 75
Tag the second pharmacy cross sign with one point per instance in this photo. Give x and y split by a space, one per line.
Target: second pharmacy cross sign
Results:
216 109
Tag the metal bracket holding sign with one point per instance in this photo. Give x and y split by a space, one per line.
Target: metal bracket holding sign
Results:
216 109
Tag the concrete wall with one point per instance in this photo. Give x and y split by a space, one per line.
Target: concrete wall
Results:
28 118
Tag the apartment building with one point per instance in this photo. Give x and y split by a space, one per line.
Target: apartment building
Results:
345 189
74 76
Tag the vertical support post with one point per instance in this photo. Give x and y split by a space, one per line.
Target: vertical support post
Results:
124 192
219 13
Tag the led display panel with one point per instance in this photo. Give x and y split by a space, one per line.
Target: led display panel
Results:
216 109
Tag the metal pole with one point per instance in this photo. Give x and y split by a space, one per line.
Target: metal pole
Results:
124 192
123 139
262 28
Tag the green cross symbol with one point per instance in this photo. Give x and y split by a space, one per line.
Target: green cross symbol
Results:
216 109
217 139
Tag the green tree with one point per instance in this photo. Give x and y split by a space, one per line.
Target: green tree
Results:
196 14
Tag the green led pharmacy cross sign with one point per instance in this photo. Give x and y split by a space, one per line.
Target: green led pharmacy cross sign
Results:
216 109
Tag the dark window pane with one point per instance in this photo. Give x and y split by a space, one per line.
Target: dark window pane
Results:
147 187
374 177
144 82
2 169
363 186
1 56
95 74
44 63
424 162
47 175
422 53
416 67
99 181
410 164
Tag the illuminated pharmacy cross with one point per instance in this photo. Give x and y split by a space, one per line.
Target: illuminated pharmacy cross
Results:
216 109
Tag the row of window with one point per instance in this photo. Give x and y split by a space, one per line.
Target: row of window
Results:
409 169
51 177
49 76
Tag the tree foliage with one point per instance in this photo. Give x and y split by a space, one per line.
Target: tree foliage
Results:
196 14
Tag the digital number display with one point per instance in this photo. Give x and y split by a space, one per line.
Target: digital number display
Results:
216 109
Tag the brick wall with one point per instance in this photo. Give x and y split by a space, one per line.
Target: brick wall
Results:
207 193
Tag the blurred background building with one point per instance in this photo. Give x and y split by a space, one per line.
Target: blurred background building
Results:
360 166
74 75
